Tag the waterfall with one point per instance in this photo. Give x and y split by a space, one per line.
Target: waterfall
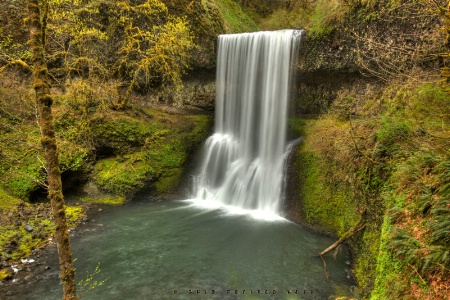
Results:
243 160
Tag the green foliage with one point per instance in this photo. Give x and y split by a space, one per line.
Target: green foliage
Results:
90 283
434 203
319 17
159 54
417 229
430 108
236 19
391 135
11 50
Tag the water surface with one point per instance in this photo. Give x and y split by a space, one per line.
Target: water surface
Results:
171 250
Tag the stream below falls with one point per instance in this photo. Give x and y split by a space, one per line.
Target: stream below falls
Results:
174 250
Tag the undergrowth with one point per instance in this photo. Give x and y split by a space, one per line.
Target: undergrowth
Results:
236 19
391 157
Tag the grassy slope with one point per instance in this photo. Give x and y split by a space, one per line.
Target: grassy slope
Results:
236 19
393 162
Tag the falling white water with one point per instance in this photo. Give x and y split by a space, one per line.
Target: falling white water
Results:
243 161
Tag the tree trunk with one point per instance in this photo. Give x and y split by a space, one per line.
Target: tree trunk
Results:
44 102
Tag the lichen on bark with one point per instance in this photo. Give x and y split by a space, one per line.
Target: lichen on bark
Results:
45 119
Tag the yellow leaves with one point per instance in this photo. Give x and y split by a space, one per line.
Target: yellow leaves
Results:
152 7
162 52
91 33
136 42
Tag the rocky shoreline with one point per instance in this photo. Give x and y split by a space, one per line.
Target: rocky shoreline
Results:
42 264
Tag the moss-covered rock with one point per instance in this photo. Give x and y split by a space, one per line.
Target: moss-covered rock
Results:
162 143
26 227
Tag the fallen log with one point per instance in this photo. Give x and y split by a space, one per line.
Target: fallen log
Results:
355 229
351 232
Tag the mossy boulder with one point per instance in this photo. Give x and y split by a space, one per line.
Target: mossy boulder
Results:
146 152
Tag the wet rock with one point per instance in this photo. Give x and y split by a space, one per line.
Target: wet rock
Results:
29 228
28 277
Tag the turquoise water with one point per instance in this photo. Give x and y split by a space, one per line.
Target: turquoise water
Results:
171 250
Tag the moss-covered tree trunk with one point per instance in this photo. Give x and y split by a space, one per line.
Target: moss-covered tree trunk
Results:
48 141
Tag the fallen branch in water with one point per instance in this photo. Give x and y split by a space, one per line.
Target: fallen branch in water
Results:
352 231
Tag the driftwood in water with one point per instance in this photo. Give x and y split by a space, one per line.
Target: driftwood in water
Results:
352 231
355 229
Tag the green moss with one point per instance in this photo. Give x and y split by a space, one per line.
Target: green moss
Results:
330 194
122 175
121 133
325 16
111 200
324 203
297 125
7 201
200 130
330 208
366 260
21 242
429 107
74 215
168 181
21 163
159 156
388 284
73 156
235 18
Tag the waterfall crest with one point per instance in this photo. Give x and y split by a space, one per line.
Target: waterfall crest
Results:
244 159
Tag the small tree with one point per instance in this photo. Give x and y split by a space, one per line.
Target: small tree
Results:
37 27
136 44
